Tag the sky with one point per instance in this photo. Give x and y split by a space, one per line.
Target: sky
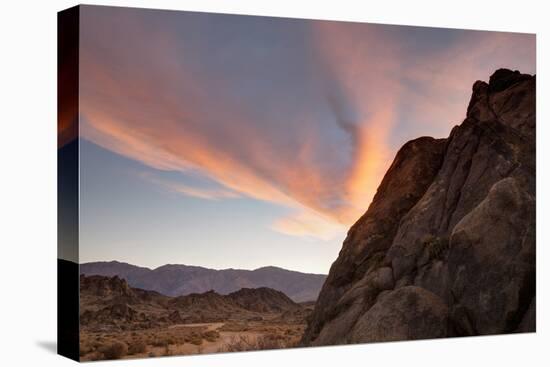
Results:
231 141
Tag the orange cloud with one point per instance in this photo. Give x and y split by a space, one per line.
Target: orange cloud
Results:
365 69
145 94
126 113
307 223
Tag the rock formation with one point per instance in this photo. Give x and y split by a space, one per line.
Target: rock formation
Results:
447 247
110 304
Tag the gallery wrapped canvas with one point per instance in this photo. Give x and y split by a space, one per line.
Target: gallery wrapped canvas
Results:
232 183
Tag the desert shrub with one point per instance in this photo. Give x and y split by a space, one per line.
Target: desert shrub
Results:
234 326
114 350
211 335
96 356
138 346
237 344
159 342
98 343
84 349
435 246
163 340
245 342
273 341
195 339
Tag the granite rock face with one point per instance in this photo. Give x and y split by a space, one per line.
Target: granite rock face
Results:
447 247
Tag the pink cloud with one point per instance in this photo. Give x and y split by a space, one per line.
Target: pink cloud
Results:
144 96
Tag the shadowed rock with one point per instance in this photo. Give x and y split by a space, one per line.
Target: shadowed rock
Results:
447 246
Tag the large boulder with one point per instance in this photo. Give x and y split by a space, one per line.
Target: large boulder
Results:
492 272
406 313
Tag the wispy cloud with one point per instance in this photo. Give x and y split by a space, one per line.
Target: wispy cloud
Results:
206 193
308 223
298 113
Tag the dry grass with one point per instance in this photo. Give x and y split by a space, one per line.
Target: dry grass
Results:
193 339
235 326
211 335
114 350
98 346
260 342
137 347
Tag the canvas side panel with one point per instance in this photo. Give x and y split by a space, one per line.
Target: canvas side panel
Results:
67 183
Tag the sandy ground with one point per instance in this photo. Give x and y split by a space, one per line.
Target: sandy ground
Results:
197 338
206 325
226 337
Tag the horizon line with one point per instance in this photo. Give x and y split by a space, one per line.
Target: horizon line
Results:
195 266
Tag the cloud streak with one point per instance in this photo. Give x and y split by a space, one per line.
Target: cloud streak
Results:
302 114
206 193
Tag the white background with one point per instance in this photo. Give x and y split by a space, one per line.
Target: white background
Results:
28 183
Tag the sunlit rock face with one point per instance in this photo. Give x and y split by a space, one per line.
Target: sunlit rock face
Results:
447 247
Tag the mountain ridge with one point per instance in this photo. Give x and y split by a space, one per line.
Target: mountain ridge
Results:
179 279
117 262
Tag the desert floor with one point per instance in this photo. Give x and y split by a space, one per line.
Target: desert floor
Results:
188 339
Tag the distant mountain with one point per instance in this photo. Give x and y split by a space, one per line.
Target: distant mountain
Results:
177 280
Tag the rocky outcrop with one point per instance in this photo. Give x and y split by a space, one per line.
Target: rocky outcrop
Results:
109 304
263 300
105 287
447 247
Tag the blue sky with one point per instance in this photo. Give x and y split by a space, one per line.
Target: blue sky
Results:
125 217
237 141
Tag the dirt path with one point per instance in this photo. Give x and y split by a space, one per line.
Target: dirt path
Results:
209 326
